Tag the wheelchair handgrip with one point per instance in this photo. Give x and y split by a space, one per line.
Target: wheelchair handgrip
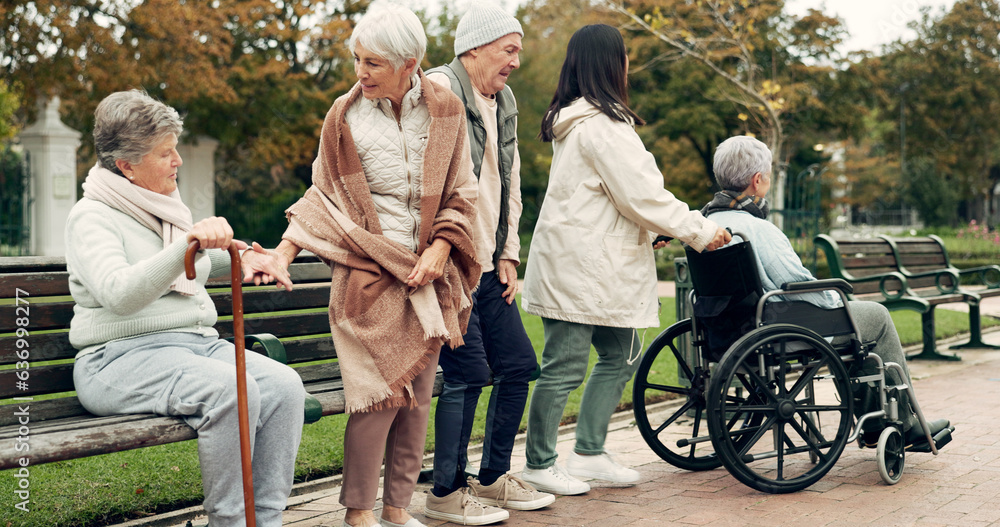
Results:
662 238
829 283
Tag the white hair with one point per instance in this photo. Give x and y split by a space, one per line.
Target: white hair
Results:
129 124
392 32
737 159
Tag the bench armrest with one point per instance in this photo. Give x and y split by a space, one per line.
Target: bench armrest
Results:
829 283
989 275
313 409
895 293
938 275
273 347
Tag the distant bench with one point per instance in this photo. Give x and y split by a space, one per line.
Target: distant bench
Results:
38 407
913 274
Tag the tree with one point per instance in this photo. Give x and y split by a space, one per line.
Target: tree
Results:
932 195
941 91
259 75
548 26
9 102
757 59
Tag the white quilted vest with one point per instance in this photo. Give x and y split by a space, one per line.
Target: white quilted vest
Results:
392 155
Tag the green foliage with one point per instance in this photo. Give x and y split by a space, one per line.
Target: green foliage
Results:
10 101
548 25
941 91
259 217
14 187
931 193
440 35
257 75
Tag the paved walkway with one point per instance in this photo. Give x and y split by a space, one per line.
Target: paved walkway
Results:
961 486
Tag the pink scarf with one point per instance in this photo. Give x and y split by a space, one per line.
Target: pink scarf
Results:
167 216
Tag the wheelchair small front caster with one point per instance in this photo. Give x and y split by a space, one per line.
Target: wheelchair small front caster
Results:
891 455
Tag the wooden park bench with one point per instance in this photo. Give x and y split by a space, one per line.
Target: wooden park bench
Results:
38 407
913 274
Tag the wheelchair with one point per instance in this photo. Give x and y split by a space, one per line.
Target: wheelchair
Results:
768 389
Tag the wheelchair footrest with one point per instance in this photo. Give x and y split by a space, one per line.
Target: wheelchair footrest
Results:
941 439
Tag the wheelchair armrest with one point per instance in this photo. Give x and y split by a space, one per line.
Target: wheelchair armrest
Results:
829 283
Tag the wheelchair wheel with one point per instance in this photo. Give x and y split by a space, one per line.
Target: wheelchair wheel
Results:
680 435
891 455
775 378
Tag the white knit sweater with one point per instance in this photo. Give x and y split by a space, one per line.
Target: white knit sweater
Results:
120 275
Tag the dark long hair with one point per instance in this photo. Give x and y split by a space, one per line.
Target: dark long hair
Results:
595 70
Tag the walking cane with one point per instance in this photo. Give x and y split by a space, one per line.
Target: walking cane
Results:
241 371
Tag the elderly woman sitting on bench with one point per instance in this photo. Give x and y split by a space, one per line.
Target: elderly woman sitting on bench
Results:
742 167
145 332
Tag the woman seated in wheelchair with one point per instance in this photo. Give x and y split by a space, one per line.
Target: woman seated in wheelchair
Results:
742 167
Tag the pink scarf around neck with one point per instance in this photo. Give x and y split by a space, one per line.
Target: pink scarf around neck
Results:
167 216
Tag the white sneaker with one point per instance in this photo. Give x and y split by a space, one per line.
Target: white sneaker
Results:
555 480
603 467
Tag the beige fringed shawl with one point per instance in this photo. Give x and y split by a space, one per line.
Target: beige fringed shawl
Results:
386 332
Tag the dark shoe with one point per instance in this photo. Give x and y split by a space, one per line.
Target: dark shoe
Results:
941 430
869 439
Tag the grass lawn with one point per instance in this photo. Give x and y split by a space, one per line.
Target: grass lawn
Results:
103 489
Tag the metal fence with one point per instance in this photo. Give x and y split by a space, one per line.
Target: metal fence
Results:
800 220
895 217
15 202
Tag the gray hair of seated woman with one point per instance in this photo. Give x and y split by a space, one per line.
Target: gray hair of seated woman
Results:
737 159
392 32
129 124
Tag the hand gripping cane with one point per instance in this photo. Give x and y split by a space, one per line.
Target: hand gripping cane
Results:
241 371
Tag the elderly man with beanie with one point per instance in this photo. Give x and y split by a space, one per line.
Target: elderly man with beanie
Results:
496 349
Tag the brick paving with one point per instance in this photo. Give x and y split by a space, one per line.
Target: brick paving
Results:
960 487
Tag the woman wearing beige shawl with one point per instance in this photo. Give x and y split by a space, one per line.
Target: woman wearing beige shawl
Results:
391 209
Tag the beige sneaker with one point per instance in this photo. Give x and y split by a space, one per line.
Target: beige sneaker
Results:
510 492
461 508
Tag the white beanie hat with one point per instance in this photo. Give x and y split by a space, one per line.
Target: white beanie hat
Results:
482 25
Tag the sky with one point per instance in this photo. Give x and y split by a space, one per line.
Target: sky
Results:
870 23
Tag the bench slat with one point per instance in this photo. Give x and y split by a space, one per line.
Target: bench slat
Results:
867 262
319 372
306 350
40 316
35 284
47 410
41 380
32 264
50 346
914 260
85 437
282 326
302 296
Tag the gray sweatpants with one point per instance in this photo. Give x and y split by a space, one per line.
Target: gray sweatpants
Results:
194 377
876 325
